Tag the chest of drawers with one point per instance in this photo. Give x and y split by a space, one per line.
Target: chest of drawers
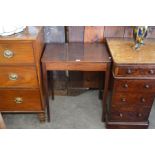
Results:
20 76
133 84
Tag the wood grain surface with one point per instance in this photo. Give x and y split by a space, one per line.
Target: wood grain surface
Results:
122 51
22 52
26 77
30 100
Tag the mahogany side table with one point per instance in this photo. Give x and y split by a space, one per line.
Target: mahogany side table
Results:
75 57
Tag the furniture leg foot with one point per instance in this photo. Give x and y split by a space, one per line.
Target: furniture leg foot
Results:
42 117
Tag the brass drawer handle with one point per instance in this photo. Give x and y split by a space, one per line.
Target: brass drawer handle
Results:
143 100
125 85
129 71
123 99
147 86
18 100
151 71
13 76
8 54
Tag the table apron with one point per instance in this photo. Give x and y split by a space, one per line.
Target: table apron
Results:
85 66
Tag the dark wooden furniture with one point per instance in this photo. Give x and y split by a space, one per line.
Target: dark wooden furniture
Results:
75 57
20 76
134 84
2 124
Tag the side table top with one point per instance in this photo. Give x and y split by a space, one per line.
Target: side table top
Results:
122 51
71 52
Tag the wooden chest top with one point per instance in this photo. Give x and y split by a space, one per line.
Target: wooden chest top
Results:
122 51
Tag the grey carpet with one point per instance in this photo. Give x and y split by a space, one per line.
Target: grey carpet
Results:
67 112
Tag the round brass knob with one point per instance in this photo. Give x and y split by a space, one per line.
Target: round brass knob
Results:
123 99
8 54
139 115
18 100
13 76
121 115
147 86
129 71
143 100
125 85
151 71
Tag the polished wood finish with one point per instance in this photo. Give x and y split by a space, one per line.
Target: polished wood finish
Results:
75 57
30 100
130 85
123 53
134 71
2 124
134 84
20 72
26 77
22 52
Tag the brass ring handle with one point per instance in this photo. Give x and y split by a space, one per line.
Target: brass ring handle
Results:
13 76
18 100
8 54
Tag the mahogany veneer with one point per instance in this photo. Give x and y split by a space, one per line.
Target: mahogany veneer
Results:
134 84
20 75
76 57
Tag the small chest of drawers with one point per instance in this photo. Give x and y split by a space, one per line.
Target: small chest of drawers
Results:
20 77
133 84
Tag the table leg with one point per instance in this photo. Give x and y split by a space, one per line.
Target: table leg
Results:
2 124
51 83
105 93
100 95
46 91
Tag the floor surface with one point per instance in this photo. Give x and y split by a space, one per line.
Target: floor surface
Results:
67 112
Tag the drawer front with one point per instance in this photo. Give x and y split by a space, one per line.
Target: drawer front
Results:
18 77
20 100
15 53
132 99
144 86
135 71
130 116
